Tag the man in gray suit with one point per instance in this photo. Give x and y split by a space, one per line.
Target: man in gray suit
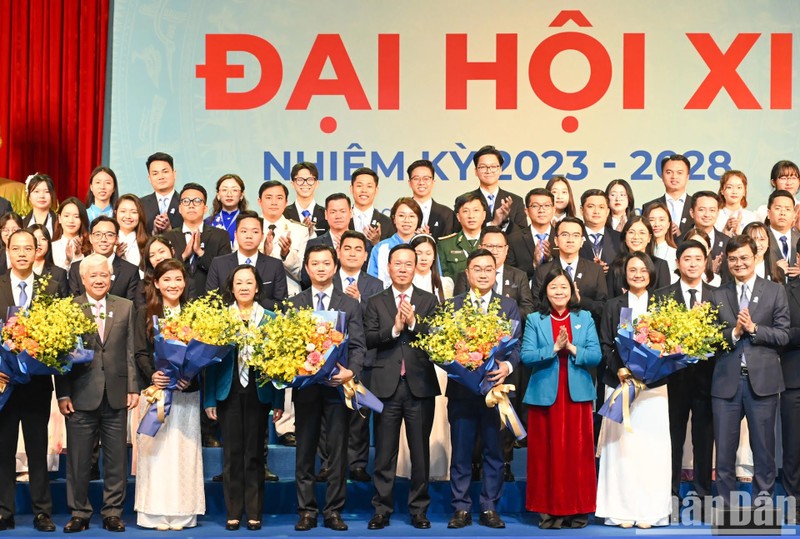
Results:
747 378
95 398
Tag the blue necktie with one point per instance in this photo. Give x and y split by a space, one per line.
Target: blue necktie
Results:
490 198
785 247
540 247
320 304
248 262
744 303
306 214
23 296
350 280
163 204
569 272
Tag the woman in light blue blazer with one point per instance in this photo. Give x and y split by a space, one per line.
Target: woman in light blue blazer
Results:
560 345
234 396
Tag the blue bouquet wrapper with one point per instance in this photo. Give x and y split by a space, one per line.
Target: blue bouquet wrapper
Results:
335 354
475 380
17 373
177 360
362 398
646 365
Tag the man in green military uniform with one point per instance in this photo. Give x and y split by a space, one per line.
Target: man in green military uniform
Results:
454 249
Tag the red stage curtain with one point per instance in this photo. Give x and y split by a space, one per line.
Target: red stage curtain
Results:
52 89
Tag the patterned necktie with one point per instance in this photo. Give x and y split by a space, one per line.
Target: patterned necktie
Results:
569 272
692 297
99 319
248 262
306 214
597 249
320 303
23 296
490 198
744 299
403 362
350 280
540 246
244 370
785 243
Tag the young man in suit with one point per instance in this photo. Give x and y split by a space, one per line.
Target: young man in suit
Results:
305 179
504 209
532 246
405 381
95 398
747 377
675 175
690 388
601 243
194 243
316 401
249 237
790 400
103 234
438 220
704 212
783 248
28 404
453 250
161 206
468 414
366 219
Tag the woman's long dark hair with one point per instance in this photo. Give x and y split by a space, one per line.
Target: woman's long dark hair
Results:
83 231
48 257
772 270
569 211
659 205
155 302
436 278
90 195
630 211
648 264
544 304
141 230
145 264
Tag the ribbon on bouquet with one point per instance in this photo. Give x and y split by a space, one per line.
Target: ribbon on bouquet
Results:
629 391
356 396
498 397
157 396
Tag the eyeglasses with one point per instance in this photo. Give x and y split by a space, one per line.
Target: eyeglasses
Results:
483 169
8 232
299 180
104 235
422 179
478 270
743 259
537 207
784 178
398 264
197 201
567 235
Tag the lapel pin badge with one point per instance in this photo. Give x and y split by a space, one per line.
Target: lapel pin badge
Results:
577 326
172 211
580 275
507 283
683 221
755 299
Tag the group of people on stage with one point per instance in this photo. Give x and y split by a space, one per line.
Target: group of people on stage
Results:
127 259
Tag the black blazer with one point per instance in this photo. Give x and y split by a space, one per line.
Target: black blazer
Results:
270 273
610 246
687 223
52 218
507 307
214 242
390 351
441 221
616 277
591 283
387 226
124 281
327 239
515 286
5 206
368 286
150 205
790 360
318 216
356 345
522 247
57 275
516 217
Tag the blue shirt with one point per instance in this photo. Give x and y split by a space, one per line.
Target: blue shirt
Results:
93 212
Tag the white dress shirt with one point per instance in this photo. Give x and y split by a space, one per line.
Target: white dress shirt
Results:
15 290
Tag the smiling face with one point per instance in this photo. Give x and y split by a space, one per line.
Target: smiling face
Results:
692 265
761 238
41 198
488 171
660 222
103 238
102 187
171 285
405 221
421 181
272 202
618 199
402 266
734 190
127 216
21 252
425 257
162 177
320 268
561 196
70 220
305 183
741 262
42 245
559 293
482 274
96 279
705 212
637 276
229 194
158 252
352 254
675 175
244 287
363 188
638 237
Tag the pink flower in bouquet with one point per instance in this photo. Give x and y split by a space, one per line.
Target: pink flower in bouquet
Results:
322 329
475 360
314 358
641 337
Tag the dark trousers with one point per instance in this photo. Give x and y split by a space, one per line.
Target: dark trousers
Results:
83 428
418 416
358 439
467 418
790 427
243 421
311 405
689 393
34 414
761 413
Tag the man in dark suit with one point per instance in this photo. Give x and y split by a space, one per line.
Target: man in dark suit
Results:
405 381
316 401
468 414
28 404
161 206
532 246
704 212
125 277
783 247
790 399
506 210
95 398
305 179
439 219
601 243
366 219
194 243
747 378
690 388
271 275
675 175
5 206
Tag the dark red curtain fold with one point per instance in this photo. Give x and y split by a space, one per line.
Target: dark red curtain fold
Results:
52 89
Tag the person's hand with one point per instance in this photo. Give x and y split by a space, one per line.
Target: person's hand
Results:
268 242
498 376
407 312
277 414
4 379
189 249
599 262
197 244
561 340
744 319
352 291
161 223
783 264
424 229
211 413
577 293
285 242
373 233
399 321
65 407
676 229
501 212
183 383
794 271
716 264
340 377
732 224
133 400
160 380
310 225
121 248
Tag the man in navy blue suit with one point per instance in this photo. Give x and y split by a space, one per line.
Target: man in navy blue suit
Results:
468 413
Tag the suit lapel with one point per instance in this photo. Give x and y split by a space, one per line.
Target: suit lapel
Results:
336 300
755 299
6 295
108 321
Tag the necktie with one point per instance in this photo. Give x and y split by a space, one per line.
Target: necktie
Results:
306 214
692 297
672 210
785 247
320 304
569 272
23 296
351 280
490 198
496 287
163 204
403 361
540 246
597 249
248 262
472 243
99 319
244 370
744 299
